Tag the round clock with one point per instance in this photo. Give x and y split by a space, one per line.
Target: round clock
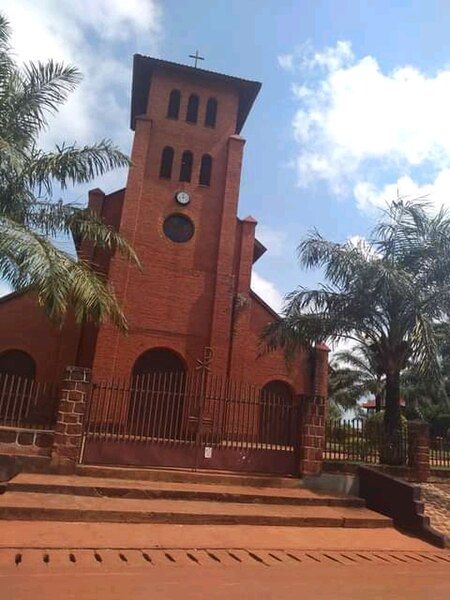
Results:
182 198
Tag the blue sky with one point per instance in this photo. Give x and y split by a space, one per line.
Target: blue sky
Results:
354 103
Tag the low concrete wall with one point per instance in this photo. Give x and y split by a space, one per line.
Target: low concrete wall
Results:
399 500
26 441
333 482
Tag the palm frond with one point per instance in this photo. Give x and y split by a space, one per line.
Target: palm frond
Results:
60 282
70 164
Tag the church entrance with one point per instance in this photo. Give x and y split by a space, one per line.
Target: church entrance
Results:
196 420
157 394
279 393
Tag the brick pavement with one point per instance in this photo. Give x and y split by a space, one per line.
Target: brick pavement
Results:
437 505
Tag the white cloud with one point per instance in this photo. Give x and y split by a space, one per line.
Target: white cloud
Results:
4 288
286 61
267 291
357 125
99 38
273 239
436 192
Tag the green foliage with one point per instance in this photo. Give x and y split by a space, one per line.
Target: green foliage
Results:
29 216
386 293
440 425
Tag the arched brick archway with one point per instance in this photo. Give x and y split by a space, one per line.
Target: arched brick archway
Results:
158 395
275 397
17 362
158 360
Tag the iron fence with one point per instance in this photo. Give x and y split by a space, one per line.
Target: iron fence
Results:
27 403
440 452
192 408
359 440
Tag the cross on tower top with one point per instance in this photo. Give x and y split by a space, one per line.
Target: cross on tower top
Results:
196 57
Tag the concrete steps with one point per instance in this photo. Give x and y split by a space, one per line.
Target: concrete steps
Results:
39 497
156 490
188 476
60 507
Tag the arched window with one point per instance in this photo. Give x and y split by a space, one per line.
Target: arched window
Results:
211 113
173 108
205 170
186 166
192 109
17 362
165 170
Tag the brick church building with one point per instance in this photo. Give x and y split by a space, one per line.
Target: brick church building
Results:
191 301
179 211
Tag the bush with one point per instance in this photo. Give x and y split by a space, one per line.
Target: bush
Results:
440 425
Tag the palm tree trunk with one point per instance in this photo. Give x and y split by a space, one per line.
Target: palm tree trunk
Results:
392 450
378 402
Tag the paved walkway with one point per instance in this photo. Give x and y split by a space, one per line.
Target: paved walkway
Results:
54 534
120 561
437 505
309 581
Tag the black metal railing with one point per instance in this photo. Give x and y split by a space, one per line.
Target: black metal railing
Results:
440 452
27 403
359 440
192 408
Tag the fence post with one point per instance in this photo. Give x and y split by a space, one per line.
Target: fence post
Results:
419 450
69 420
312 415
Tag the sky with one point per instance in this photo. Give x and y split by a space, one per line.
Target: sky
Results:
354 107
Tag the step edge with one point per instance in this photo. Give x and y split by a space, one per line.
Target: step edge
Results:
92 515
194 495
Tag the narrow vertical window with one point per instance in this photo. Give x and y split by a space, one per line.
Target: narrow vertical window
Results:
192 109
165 170
186 166
205 170
173 108
211 113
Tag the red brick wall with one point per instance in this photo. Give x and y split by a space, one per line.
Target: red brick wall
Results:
24 326
197 294
186 296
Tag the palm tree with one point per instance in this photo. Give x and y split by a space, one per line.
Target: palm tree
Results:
360 363
387 292
29 217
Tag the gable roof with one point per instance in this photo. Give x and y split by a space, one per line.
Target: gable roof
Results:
144 66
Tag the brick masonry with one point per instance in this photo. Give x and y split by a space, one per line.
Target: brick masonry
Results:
313 413
186 296
419 450
69 424
17 440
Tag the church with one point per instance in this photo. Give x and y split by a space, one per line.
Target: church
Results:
190 303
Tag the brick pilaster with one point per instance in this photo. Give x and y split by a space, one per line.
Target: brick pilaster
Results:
312 434
69 424
419 450
312 415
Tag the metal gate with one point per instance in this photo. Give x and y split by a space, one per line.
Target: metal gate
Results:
191 420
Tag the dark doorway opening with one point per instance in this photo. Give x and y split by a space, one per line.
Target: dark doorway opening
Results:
275 401
158 393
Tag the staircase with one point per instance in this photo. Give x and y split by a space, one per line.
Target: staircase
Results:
120 495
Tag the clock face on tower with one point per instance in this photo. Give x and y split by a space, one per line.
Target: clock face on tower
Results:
182 198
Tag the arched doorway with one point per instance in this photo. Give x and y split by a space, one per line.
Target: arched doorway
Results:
156 407
18 393
17 362
157 360
275 427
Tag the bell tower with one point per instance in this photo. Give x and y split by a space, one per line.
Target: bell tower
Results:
180 214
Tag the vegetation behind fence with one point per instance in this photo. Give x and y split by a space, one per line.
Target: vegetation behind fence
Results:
440 452
358 440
